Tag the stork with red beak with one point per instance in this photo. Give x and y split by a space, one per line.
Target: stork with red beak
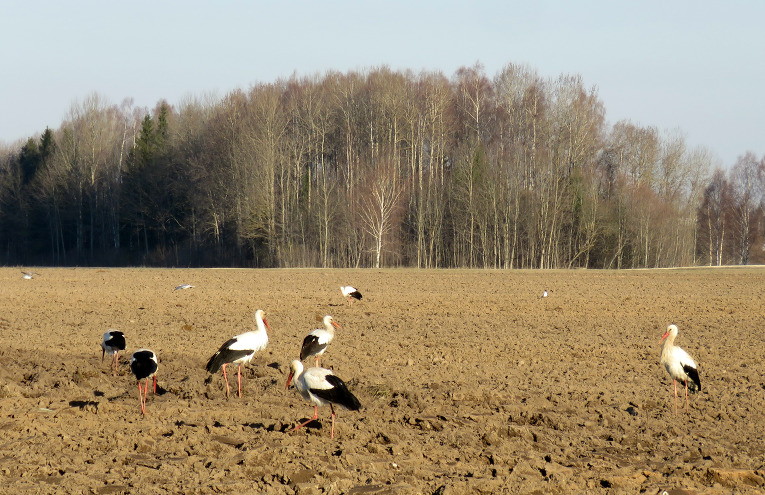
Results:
321 386
240 350
144 365
316 342
679 365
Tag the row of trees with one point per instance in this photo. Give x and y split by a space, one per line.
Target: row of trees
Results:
375 168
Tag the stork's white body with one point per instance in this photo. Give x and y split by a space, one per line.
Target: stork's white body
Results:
350 292
316 342
240 350
321 387
112 343
679 365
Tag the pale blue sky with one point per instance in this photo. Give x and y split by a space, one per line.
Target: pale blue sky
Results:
695 66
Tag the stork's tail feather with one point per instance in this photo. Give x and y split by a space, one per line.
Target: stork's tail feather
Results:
339 394
215 362
352 402
221 356
694 384
118 341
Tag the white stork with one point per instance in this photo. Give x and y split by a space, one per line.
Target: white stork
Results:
321 386
28 275
350 292
184 286
143 364
315 343
679 365
240 350
112 343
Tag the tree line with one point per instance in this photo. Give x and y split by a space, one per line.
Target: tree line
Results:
375 168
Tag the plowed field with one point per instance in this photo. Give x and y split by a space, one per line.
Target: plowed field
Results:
470 382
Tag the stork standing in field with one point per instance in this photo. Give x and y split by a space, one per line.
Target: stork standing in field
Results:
144 365
351 293
679 365
240 350
112 343
316 342
321 386
28 275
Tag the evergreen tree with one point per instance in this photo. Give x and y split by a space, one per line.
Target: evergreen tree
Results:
29 161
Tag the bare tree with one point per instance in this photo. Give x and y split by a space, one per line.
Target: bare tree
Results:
712 217
259 158
435 130
516 87
381 207
747 182
579 116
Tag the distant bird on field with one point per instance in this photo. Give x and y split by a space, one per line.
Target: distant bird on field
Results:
544 294
185 286
28 275
321 386
143 364
350 292
112 343
679 365
240 350
315 343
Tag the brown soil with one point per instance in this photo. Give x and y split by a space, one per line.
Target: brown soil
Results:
470 382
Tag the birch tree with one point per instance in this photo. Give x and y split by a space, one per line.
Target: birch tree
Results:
747 182
380 208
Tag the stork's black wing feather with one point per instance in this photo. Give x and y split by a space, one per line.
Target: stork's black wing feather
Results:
116 340
225 355
695 383
142 365
310 346
338 394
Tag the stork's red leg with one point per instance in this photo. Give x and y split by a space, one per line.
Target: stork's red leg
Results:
141 399
332 432
315 417
239 379
225 377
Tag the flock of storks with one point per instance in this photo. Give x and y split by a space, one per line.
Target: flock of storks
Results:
316 384
320 385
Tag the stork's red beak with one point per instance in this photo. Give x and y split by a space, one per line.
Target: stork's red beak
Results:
336 325
289 380
666 334
266 324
